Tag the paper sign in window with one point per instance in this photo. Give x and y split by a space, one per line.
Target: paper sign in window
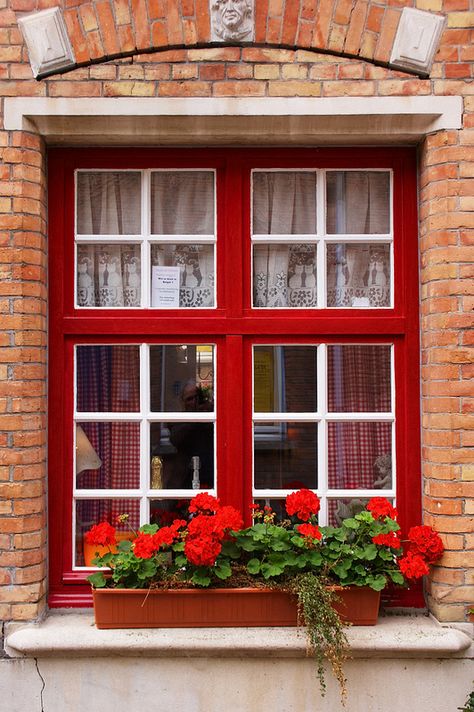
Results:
165 287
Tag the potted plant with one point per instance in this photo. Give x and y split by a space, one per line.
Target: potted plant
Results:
210 570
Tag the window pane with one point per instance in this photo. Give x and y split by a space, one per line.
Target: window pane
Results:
108 455
108 379
284 203
108 203
284 276
94 511
182 378
284 379
359 378
182 275
180 454
277 505
344 508
285 455
359 455
164 511
358 202
182 203
358 275
108 275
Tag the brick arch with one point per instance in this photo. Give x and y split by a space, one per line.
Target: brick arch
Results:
105 29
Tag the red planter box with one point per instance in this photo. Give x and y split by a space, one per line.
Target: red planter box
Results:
219 607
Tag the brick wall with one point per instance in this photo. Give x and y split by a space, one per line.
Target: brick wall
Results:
360 28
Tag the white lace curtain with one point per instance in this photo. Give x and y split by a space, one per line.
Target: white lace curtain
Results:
182 203
284 203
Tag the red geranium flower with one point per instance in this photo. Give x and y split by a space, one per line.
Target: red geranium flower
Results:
310 531
204 502
413 566
229 518
145 546
426 542
392 540
381 508
102 534
202 551
303 503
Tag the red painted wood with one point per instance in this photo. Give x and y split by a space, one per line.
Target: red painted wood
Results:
234 325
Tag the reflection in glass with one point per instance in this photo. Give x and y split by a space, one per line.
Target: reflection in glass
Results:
108 203
284 203
359 378
285 455
94 511
358 275
358 202
108 275
284 379
344 508
359 455
164 511
117 445
277 505
196 274
182 203
182 455
179 371
284 276
108 379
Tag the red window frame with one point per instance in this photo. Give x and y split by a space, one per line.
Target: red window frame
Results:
233 324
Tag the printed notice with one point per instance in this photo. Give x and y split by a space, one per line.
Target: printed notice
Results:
165 287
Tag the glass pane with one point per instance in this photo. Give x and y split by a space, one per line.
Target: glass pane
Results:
277 505
108 203
359 455
284 276
344 508
108 455
284 379
284 203
358 202
182 203
108 275
285 455
182 275
181 455
94 511
164 511
108 379
182 378
359 378
358 275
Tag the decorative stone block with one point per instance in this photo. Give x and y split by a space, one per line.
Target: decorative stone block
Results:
417 40
47 40
232 20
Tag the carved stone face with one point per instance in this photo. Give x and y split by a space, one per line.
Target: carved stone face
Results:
232 19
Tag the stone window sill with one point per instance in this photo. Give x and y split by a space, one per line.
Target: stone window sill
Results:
66 634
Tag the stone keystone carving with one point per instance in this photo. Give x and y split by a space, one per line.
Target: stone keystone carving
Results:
47 40
232 20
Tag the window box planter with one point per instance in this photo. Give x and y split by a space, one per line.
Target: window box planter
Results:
220 607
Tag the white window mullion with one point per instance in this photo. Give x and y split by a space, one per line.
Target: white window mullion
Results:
321 229
144 431
322 430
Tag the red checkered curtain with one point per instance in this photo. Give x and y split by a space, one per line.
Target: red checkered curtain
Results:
358 381
107 381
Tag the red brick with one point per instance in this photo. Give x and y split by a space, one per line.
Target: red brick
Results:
141 24
107 26
290 22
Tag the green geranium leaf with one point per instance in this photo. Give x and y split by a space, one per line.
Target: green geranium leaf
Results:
201 577
124 546
397 577
230 548
351 523
97 580
222 570
253 566
149 528
269 570
377 582
370 552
